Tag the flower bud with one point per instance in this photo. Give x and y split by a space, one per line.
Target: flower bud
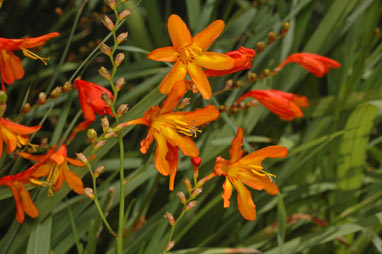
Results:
222 108
251 76
267 72
285 29
108 23
111 3
106 98
120 84
67 87
196 161
196 193
99 170
104 73
99 144
191 205
170 218
124 14
170 245
182 197
119 59
82 158
238 84
122 109
188 184
105 123
88 192
272 36
122 37
3 97
56 92
229 84
41 98
105 49
26 108
184 103
92 135
260 46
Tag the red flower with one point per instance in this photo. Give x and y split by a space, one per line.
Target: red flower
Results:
285 105
90 96
10 65
316 64
242 61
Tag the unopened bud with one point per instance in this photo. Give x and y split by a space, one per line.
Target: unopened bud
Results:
184 103
170 218
82 158
260 46
108 23
238 84
285 29
119 59
120 84
122 109
122 37
222 108
188 184
272 36
191 205
41 98
88 192
105 49
67 87
267 72
44 142
196 193
99 170
105 124
104 73
26 108
92 135
106 98
251 76
196 161
234 109
182 197
56 92
229 84
111 3
99 144
3 97
124 14
170 245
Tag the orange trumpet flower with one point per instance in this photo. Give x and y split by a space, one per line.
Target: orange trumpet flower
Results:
173 130
243 58
189 55
11 68
316 64
285 105
246 170
14 134
54 165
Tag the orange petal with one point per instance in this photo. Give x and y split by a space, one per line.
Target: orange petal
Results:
161 162
33 42
177 92
235 152
31 156
214 61
10 67
172 158
202 115
1 146
18 128
258 182
9 138
15 188
186 145
208 35
177 73
75 162
141 120
244 201
146 142
201 82
28 204
258 156
179 33
43 170
73 181
227 186
166 54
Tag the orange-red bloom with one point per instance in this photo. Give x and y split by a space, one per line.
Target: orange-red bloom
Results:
189 55
54 165
246 170
285 105
22 197
173 130
91 101
243 58
10 65
14 134
316 64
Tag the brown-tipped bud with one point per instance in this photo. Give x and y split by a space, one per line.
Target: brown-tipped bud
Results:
119 59
92 135
124 14
119 127
285 29
188 184
234 109
105 49
44 142
122 37
111 3
170 218
88 192
260 46
120 84
26 108
229 84
41 98
170 245
238 84
182 197
106 98
104 73
267 72
242 105
105 124
184 103
56 92
191 205
108 23
99 144
272 36
222 108
196 193
82 158
122 109
111 133
67 87
3 97
99 170
251 76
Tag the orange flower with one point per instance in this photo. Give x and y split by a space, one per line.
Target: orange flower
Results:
90 96
22 197
14 134
246 170
189 55
10 65
54 165
243 58
173 130
316 64
285 105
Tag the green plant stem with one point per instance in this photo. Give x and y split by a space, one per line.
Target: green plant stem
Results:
73 224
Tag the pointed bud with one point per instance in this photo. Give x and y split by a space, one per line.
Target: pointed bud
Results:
119 59
260 46
124 14
111 3
222 108
196 161
67 87
105 124
99 144
41 98
285 29
170 245
88 192
99 170
26 108
182 197
119 127
251 76
229 84
108 23
188 184
267 72
122 37
238 83
272 36
56 92
170 218
82 158
104 73
105 49
106 98
191 205
92 135
122 109
184 103
3 97
120 84
196 193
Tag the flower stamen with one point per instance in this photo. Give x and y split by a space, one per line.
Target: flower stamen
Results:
34 56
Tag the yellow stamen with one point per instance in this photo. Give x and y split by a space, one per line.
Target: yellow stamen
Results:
34 56
258 170
52 179
183 128
38 182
